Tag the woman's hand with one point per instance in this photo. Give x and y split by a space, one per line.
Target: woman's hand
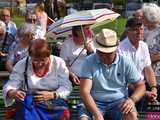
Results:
17 94
89 48
74 78
42 96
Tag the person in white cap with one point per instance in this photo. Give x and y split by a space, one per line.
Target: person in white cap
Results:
105 76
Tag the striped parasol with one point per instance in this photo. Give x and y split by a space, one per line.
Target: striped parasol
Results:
80 18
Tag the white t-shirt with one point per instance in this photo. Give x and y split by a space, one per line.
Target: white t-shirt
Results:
140 56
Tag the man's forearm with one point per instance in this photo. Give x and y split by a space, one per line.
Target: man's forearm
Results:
155 57
150 76
90 104
139 91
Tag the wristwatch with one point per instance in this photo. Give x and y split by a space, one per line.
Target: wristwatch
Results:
55 95
134 98
153 87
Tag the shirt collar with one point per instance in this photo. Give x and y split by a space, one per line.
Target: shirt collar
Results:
99 62
129 44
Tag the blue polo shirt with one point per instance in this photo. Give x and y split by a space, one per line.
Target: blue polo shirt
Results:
109 82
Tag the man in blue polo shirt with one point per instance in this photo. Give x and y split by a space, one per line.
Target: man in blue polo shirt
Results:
104 82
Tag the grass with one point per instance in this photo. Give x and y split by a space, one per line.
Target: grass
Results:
117 25
18 20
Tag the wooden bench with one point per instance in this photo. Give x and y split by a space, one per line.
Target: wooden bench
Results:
2 107
73 101
3 77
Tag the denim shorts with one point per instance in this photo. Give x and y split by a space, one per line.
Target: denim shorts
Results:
110 110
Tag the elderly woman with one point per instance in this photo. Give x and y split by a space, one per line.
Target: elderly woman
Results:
19 49
6 40
151 19
75 49
47 76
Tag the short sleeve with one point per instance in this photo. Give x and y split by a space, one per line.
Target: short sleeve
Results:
64 51
132 73
86 70
147 56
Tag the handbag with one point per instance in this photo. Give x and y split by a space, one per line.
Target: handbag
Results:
47 110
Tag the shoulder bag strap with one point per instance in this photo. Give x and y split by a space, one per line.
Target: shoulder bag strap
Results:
76 57
26 87
4 41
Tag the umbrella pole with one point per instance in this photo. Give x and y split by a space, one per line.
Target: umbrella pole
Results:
85 41
84 37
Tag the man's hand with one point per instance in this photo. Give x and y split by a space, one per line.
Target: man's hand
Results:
99 116
127 106
152 95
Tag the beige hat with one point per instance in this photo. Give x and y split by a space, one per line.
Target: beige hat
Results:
106 41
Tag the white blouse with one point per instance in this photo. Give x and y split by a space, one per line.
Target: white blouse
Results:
57 79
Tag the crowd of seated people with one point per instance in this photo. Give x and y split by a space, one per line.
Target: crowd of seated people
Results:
113 75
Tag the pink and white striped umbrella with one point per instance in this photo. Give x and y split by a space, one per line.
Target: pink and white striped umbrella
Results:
86 17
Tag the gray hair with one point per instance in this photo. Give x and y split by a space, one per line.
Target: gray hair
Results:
3 26
151 12
27 30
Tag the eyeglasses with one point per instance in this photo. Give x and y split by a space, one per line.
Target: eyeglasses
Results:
5 15
42 60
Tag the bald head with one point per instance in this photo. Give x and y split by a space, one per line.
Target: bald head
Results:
5 15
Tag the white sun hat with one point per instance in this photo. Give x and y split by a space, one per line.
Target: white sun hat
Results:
106 41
